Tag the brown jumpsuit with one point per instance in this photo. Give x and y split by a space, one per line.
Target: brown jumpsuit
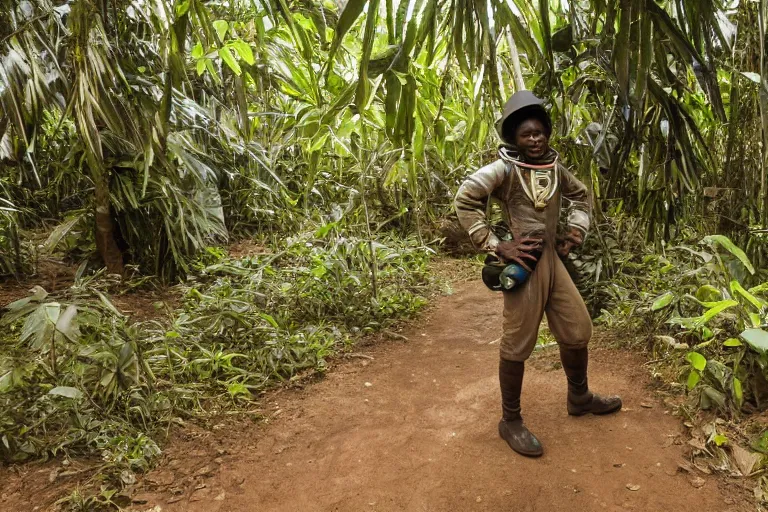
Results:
549 289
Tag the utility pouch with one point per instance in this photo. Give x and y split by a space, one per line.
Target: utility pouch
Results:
503 277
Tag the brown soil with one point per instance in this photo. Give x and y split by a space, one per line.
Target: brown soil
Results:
51 274
411 425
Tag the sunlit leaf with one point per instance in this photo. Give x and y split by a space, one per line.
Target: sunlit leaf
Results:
229 59
662 301
221 27
756 338
244 50
697 360
693 379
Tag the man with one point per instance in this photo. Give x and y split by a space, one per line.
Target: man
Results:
529 183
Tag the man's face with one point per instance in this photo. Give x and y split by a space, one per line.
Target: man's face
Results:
531 138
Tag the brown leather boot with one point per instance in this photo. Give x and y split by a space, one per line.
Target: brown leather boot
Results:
581 400
511 427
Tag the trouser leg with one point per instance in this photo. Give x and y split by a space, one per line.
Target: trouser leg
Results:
523 311
571 325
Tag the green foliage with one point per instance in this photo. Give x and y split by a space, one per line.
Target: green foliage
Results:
12 259
695 303
77 378
209 119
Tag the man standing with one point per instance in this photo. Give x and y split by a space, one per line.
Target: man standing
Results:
530 183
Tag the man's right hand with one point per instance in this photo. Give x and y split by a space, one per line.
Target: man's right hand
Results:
519 250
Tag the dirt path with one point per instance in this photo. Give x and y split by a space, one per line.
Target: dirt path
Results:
411 426
415 429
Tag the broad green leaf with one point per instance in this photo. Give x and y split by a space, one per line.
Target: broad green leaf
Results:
200 66
697 360
756 338
662 301
720 439
756 319
732 342
229 60
725 242
66 391
221 27
693 379
244 50
197 51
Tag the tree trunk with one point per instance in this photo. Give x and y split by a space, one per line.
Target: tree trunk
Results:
763 99
105 228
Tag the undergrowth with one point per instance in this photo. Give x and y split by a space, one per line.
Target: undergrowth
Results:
701 309
76 378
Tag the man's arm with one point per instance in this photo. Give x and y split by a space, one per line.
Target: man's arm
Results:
578 196
471 201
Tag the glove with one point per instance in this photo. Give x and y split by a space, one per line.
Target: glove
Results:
568 241
523 251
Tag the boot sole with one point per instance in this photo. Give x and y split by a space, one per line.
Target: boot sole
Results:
532 455
599 413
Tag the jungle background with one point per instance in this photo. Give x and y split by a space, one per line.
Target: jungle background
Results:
140 139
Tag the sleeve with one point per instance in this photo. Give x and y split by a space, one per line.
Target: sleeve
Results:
471 201
578 197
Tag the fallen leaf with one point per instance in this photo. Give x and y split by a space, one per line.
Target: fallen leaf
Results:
647 405
619 465
745 460
633 487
